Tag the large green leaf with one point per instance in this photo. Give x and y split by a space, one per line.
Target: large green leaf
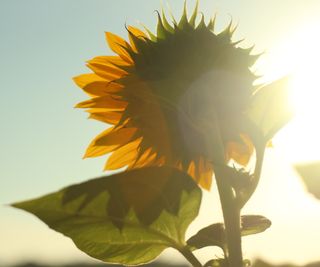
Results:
214 234
127 218
270 109
310 174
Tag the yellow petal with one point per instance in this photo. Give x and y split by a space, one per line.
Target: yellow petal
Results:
109 140
107 72
107 116
146 159
115 61
123 156
192 170
205 174
107 102
136 32
102 88
85 79
240 152
95 85
96 151
118 45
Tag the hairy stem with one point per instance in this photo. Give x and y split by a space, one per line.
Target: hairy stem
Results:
231 216
257 172
259 161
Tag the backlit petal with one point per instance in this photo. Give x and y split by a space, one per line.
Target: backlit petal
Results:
115 61
107 116
109 140
119 46
85 79
205 173
123 156
192 170
107 101
101 88
240 152
146 159
106 71
137 33
95 85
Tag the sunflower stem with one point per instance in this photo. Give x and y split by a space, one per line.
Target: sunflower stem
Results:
231 216
260 150
257 171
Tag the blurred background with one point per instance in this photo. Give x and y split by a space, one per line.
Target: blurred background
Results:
45 43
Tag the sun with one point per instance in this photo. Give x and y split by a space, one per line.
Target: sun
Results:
298 56
305 87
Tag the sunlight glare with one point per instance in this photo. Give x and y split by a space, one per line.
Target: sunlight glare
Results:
299 56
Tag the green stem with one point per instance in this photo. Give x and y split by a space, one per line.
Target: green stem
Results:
259 161
190 257
231 216
231 209
257 173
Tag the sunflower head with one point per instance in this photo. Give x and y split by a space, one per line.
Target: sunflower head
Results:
177 97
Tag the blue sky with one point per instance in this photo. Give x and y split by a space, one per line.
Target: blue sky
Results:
43 45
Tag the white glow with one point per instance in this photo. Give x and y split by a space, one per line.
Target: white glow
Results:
299 56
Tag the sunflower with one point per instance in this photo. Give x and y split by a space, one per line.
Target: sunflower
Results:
177 98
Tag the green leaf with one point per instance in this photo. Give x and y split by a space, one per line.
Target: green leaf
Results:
127 218
310 174
214 234
254 224
270 109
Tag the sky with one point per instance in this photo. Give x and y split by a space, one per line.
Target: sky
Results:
46 43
